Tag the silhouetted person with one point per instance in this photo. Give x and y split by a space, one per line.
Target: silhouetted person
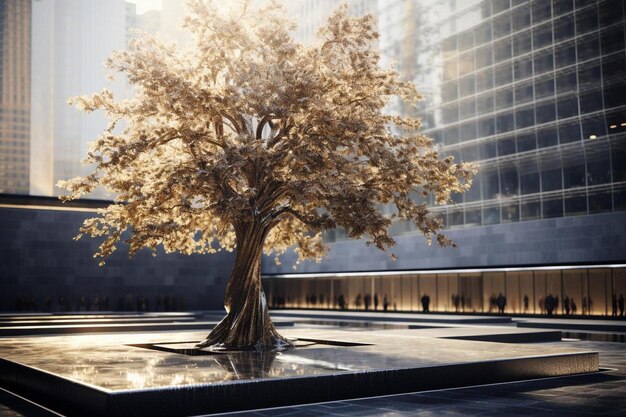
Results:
549 304
614 305
462 303
456 301
313 300
342 302
620 304
367 301
375 301
501 300
525 303
357 301
385 303
566 305
96 304
425 303
574 308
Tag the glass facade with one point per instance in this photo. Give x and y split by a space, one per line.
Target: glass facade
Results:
533 91
553 291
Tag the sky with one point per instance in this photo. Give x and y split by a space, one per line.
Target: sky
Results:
145 5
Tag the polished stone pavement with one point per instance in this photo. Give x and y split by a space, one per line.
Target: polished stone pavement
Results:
602 394
597 394
592 395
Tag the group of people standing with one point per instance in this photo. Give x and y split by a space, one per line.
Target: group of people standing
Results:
366 302
549 305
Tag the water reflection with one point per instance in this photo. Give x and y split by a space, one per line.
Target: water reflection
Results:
247 364
109 362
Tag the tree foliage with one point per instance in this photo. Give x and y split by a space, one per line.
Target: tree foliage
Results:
248 126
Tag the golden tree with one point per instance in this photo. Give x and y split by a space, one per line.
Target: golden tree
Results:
252 141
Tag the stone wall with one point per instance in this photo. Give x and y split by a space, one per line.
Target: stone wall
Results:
39 259
598 238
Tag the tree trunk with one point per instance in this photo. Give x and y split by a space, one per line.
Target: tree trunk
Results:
247 324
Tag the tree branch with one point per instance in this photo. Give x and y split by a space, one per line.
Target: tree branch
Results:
265 120
317 223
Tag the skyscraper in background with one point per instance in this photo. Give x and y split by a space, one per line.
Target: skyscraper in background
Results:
533 90
71 39
311 14
15 64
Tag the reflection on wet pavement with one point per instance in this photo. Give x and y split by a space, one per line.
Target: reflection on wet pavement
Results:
113 362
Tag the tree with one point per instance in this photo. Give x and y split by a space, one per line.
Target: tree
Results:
252 141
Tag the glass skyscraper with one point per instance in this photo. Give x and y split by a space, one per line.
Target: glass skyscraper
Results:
534 91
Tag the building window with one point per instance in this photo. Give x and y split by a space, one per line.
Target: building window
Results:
521 18
506 146
491 215
504 74
569 131
525 118
542 35
526 142
563 28
552 208
531 210
504 122
523 68
546 137
529 183
575 205
543 62
562 6
509 182
544 87
551 179
574 175
565 55
522 43
588 47
510 213
593 127
487 150
490 185
600 202
567 107
541 10
504 99
502 26
586 20
502 50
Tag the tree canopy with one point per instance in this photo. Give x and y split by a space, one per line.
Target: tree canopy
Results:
247 126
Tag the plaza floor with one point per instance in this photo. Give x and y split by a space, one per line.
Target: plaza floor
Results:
601 394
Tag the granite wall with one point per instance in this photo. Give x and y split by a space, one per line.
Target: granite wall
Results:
598 238
39 259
